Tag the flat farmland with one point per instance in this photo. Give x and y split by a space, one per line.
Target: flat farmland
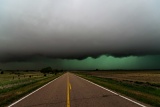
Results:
140 85
14 85
12 79
130 76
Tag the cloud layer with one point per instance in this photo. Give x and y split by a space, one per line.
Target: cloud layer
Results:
75 29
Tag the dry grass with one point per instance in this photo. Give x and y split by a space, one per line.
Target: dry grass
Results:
12 89
141 76
8 76
142 86
9 79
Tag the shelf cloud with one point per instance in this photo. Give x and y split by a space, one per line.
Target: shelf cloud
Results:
76 29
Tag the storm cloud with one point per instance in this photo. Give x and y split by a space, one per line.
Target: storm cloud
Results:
76 29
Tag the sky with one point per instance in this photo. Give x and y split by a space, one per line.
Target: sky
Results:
80 34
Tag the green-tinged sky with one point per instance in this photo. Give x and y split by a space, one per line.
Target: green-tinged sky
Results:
102 62
77 34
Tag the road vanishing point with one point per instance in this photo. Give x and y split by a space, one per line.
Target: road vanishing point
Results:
70 90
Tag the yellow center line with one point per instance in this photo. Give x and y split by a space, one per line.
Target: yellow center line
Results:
70 86
68 91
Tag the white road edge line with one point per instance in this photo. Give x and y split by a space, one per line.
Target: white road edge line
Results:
33 92
113 92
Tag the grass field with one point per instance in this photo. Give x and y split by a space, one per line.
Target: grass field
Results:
10 79
141 76
14 85
142 86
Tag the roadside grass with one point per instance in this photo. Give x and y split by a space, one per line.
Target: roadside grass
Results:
146 94
152 77
17 84
10 95
8 79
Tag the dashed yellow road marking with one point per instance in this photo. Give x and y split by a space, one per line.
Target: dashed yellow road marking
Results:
70 86
68 91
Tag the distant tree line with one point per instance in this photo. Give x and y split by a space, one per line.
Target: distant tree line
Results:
48 70
1 71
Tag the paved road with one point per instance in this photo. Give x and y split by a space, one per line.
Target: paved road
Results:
72 91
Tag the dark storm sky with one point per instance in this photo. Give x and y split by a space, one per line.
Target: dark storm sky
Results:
77 29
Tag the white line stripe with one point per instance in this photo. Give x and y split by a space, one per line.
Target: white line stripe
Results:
114 92
33 92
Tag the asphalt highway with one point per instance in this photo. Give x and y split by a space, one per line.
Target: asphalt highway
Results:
70 90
